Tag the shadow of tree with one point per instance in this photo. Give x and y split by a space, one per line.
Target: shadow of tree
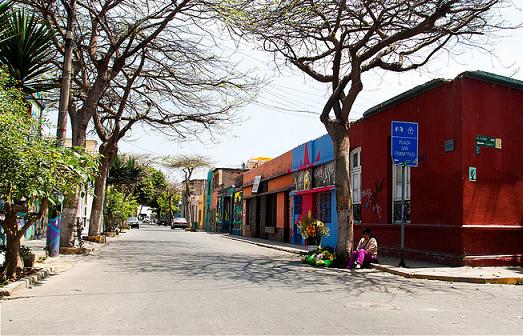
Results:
187 262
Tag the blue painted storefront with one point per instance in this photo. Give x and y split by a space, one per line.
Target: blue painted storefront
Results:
313 185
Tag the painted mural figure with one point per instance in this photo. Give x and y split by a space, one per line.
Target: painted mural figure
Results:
366 252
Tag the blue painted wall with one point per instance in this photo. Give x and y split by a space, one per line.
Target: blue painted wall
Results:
320 150
309 154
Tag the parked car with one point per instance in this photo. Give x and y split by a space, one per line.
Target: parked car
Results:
133 222
162 221
144 218
179 222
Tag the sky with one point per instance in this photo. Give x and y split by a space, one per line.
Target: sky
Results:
276 121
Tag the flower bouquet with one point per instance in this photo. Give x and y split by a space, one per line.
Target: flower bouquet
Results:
311 229
323 257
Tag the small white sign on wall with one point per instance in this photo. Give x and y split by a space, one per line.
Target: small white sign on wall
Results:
472 174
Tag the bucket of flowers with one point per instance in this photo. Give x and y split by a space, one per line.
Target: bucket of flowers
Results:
312 230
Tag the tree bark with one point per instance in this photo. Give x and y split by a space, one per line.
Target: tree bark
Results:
70 209
108 153
188 204
170 219
13 244
68 222
340 138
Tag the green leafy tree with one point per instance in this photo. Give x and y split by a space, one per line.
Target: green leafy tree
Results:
34 170
168 202
27 51
118 208
125 174
150 186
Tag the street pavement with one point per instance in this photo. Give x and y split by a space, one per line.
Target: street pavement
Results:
160 281
511 275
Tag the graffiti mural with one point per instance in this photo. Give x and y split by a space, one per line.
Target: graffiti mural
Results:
302 179
237 212
324 175
370 198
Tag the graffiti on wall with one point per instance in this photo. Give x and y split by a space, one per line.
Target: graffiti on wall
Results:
237 214
324 175
370 198
302 179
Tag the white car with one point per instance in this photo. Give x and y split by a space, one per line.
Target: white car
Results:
179 222
133 222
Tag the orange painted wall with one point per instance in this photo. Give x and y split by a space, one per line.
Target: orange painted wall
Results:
280 210
279 165
280 182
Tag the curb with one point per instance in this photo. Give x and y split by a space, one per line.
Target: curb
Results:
279 248
26 282
497 281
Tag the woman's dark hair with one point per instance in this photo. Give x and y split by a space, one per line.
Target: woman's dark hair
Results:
367 231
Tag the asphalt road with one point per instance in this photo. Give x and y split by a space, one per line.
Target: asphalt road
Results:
160 281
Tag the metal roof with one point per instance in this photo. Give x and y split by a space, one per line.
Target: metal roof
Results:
420 89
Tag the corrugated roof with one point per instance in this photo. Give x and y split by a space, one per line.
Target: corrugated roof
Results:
492 78
416 91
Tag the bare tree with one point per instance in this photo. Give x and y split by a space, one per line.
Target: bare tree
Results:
144 61
188 164
336 41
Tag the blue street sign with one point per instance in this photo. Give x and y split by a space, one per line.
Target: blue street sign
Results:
404 143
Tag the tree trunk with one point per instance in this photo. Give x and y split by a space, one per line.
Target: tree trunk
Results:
13 245
70 208
341 141
108 153
170 219
188 204
68 222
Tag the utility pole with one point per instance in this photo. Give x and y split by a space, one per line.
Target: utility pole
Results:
54 217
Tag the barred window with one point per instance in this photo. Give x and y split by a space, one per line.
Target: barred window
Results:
324 207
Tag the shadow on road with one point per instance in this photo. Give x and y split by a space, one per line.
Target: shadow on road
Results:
186 262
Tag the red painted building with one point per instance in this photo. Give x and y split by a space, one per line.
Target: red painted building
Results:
465 198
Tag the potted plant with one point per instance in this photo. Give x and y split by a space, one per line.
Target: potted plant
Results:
312 230
27 256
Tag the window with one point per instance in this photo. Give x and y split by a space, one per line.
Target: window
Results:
298 200
396 194
324 207
271 210
355 175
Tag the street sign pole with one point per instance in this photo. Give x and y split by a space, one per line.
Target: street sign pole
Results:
402 239
404 153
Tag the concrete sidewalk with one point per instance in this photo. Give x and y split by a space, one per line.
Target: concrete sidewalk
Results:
46 266
417 269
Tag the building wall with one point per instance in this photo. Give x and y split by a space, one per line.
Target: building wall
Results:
453 220
278 180
496 198
306 158
277 166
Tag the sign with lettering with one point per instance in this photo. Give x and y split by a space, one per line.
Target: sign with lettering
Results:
487 141
256 184
404 143
472 174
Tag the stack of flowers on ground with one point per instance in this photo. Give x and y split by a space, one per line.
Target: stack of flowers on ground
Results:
324 257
